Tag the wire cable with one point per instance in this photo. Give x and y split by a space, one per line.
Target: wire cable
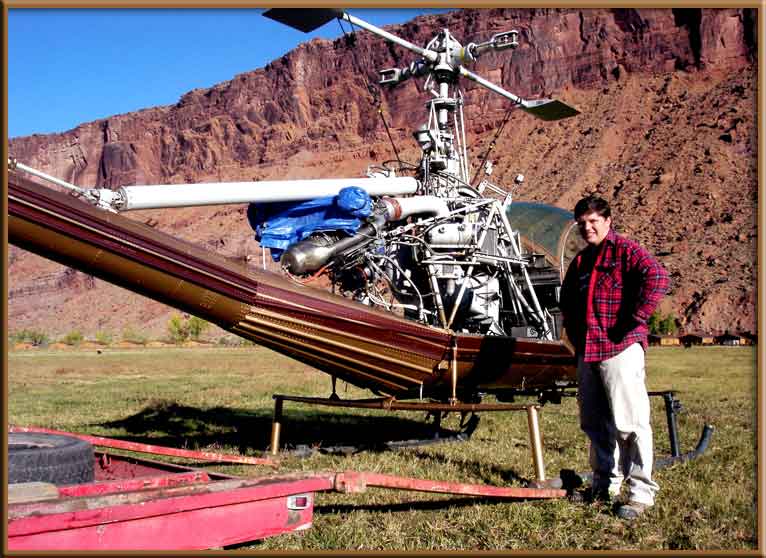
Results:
383 118
491 146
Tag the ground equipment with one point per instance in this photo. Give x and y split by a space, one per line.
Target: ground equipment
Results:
144 504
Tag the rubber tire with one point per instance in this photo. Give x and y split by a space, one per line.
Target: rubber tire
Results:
53 458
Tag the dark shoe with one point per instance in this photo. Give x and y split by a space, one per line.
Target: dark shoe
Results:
600 496
631 510
588 496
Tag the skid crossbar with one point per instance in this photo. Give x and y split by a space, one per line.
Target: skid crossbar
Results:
391 404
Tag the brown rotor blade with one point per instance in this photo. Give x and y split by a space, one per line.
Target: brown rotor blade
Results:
549 109
305 20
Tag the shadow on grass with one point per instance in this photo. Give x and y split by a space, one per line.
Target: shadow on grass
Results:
167 423
414 505
474 469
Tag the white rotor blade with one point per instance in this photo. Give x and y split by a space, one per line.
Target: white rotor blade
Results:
219 193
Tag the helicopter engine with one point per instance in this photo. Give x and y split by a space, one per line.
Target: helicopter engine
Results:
445 256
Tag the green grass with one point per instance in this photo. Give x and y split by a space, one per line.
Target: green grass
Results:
220 399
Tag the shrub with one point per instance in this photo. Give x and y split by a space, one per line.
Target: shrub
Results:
182 329
668 325
196 327
654 323
72 338
103 338
14 337
31 336
235 341
178 329
38 338
659 325
131 336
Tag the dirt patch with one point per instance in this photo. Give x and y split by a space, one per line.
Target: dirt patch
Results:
128 345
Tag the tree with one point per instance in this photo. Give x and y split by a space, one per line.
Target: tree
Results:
654 323
182 329
178 329
196 327
659 325
668 325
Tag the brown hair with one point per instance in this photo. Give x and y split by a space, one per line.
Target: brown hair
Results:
592 204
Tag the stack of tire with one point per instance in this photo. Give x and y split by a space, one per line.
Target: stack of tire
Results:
51 458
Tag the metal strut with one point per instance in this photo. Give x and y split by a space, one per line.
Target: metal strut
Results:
672 406
391 404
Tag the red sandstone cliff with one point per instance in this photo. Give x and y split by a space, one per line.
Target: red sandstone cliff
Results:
667 132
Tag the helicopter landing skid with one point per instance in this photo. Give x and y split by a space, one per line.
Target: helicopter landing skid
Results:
435 409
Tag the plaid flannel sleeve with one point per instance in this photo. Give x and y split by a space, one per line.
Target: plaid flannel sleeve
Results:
654 285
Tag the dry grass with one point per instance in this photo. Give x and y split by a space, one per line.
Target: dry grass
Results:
221 398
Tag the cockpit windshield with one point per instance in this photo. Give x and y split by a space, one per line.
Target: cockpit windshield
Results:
547 230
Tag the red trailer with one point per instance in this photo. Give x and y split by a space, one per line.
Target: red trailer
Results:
137 504
141 504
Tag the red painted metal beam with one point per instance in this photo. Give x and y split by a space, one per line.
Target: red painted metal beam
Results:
150 448
112 487
352 481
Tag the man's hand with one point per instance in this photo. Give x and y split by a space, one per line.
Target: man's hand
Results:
618 331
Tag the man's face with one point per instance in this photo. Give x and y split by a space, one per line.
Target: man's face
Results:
593 227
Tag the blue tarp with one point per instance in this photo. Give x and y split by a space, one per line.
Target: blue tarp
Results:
280 224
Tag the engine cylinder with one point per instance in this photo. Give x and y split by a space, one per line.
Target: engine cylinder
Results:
310 255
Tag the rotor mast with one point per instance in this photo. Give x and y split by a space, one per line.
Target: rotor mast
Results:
443 61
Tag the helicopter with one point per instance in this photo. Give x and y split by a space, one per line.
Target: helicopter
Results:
443 289
440 286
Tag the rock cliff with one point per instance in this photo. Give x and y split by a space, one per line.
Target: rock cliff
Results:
667 132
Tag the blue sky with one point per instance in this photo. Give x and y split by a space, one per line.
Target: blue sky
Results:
69 66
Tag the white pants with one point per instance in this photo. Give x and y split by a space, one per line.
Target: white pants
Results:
614 413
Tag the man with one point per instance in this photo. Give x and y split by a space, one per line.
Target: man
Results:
610 290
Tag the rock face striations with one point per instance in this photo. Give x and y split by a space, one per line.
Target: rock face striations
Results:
667 132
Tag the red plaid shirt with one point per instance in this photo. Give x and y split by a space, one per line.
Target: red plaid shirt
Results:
606 306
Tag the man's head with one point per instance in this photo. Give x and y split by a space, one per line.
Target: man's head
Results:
594 218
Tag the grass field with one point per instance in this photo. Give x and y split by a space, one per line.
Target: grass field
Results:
220 399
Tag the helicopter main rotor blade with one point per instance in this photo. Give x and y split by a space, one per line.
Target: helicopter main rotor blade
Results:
544 109
429 55
305 20
309 19
549 109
